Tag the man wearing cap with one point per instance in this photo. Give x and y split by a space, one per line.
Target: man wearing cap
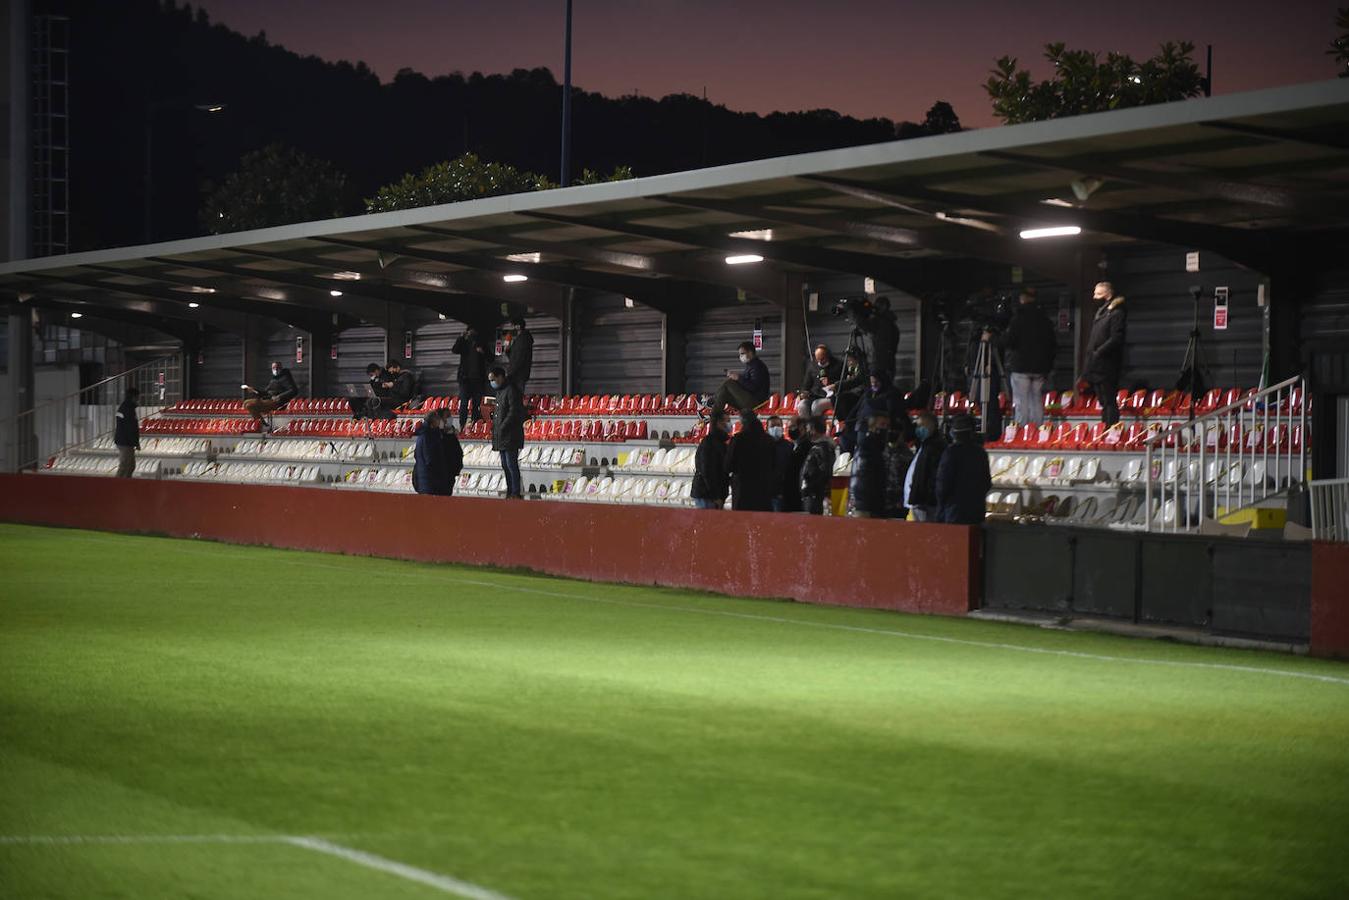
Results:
963 477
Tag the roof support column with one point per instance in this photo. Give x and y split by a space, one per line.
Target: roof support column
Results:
254 362
318 357
395 326
17 445
673 350
792 349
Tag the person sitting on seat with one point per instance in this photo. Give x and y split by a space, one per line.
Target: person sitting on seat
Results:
370 405
963 477
823 373
817 471
430 470
277 394
750 464
401 384
709 466
746 390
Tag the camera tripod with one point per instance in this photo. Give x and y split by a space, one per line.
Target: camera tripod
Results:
1191 378
986 375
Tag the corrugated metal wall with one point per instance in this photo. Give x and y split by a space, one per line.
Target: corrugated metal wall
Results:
1157 290
432 339
1325 314
281 347
218 375
712 338
356 349
618 350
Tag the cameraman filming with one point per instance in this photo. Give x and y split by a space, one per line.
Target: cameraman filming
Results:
1030 344
874 331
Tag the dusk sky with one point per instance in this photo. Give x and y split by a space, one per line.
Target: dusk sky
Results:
861 57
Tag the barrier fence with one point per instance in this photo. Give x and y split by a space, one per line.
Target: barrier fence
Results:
1330 509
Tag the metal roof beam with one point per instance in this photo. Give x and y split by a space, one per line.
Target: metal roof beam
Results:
360 307
174 328
1280 135
153 304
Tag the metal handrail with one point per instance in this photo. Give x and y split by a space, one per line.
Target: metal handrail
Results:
162 362
1185 493
1330 509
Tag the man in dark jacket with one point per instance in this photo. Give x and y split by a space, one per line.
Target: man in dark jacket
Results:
817 472
787 487
519 353
750 465
920 482
878 336
430 471
277 394
401 384
791 477
508 428
1030 344
963 477
746 390
1105 350
454 451
823 373
896 460
849 397
371 406
126 435
866 487
709 466
472 376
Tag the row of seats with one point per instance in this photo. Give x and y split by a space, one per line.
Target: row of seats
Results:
100 465
253 473
593 431
389 478
323 451
1098 511
625 489
1135 404
347 428
1133 437
159 446
1051 471
157 425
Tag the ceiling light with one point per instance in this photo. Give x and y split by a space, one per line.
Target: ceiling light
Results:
743 259
442 317
1055 201
346 276
514 279
759 234
1135 79
195 289
77 315
193 305
534 257
334 293
1031 234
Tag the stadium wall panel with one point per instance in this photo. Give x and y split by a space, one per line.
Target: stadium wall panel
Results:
1330 600
903 566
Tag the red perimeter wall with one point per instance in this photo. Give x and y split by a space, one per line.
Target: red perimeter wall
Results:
903 566
1330 600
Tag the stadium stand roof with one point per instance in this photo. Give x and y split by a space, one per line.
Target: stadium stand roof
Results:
1257 177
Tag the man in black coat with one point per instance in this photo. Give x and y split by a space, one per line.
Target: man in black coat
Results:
454 451
710 483
519 353
866 487
823 373
817 472
1105 350
880 338
746 390
275 395
126 435
508 428
849 397
472 375
1030 344
896 460
787 490
920 482
963 477
430 470
750 465
401 384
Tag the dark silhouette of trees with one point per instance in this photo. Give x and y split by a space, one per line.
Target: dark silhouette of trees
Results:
277 185
1339 48
1083 83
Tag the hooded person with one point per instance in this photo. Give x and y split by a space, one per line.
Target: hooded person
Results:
817 472
750 463
1105 350
430 468
963 477
710 483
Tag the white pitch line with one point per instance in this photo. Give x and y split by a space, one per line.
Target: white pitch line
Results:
443 883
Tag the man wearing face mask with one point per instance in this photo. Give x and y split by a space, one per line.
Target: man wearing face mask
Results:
749 462
823 372
519 353
817 471
1105 350
920 482
745 390
783 477
867 485
277 394
710 483
963 477
508 428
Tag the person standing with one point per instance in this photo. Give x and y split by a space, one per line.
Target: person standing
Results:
849 397
920 482
896 459
126 434
454 451
277 394
709 466
508 428
963 477
430 470
786 484
817 472
519 353
472 375
823 373
745 390
1105 350
750 465
1030 344
866 487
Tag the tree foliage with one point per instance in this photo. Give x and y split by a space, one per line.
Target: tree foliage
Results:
468 177
1339 48
620 173
276 185
941 119
1084 83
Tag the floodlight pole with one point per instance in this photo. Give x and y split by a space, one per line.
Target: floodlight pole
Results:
566 105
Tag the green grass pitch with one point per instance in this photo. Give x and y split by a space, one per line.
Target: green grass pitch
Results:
169 708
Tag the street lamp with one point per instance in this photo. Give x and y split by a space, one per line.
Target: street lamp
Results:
566 105
152 109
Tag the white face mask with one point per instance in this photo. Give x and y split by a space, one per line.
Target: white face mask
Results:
776 432
744 357
496 385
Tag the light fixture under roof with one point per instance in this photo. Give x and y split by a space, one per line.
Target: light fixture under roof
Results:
334 293
743 259
195 289
1033 234
533 257
514 279
1055 201
346 276
77 315
758 234
193 305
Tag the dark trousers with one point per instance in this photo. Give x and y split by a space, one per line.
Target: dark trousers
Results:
510 464
1106 392
813 505
731 393
470 393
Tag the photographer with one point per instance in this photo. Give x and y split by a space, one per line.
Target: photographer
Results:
472 376
823 373
1030 345
874 331
850 389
